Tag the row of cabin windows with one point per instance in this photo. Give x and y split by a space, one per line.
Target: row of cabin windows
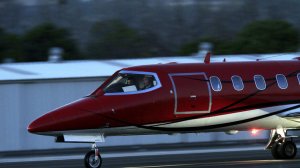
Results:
259 80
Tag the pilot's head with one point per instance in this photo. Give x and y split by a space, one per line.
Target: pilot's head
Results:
129 81
148 81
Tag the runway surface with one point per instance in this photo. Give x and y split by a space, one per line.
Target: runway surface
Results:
226 156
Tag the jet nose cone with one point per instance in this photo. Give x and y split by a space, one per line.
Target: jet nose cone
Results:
33 127
41 124
69 117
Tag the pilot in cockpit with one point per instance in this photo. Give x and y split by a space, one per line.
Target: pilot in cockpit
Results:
147 82
130 81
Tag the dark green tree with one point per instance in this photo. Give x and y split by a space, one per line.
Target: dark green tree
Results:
10 46
189 48
1 43
268 36
40 39
219 46
114 39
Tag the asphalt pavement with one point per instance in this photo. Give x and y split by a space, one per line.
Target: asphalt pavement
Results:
194 155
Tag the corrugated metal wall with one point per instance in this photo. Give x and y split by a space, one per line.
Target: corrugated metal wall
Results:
23 102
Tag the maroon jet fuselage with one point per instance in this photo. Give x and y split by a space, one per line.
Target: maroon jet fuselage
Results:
183 99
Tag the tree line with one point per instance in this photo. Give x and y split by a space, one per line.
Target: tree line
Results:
114 39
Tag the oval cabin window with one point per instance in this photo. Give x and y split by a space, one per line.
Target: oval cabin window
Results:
298 77
260 82
237 83
281 81
215 83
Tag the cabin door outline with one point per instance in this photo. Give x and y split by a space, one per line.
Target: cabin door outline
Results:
203 84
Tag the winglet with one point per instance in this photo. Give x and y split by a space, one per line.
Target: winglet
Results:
207 58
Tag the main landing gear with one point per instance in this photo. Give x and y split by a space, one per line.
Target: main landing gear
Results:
93 158
281 145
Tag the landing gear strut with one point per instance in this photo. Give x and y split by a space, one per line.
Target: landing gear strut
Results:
281 146
93 159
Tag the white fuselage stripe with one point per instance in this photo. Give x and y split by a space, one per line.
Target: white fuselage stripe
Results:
233 117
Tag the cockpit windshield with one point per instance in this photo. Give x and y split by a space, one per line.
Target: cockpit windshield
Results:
132 82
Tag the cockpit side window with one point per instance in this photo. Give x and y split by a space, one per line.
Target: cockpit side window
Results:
131 82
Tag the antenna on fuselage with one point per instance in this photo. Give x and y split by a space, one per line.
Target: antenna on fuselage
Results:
207 58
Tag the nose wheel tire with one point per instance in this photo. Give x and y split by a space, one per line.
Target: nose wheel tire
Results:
91 160
285 150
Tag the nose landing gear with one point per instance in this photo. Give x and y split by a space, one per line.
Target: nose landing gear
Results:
281 146
93 158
